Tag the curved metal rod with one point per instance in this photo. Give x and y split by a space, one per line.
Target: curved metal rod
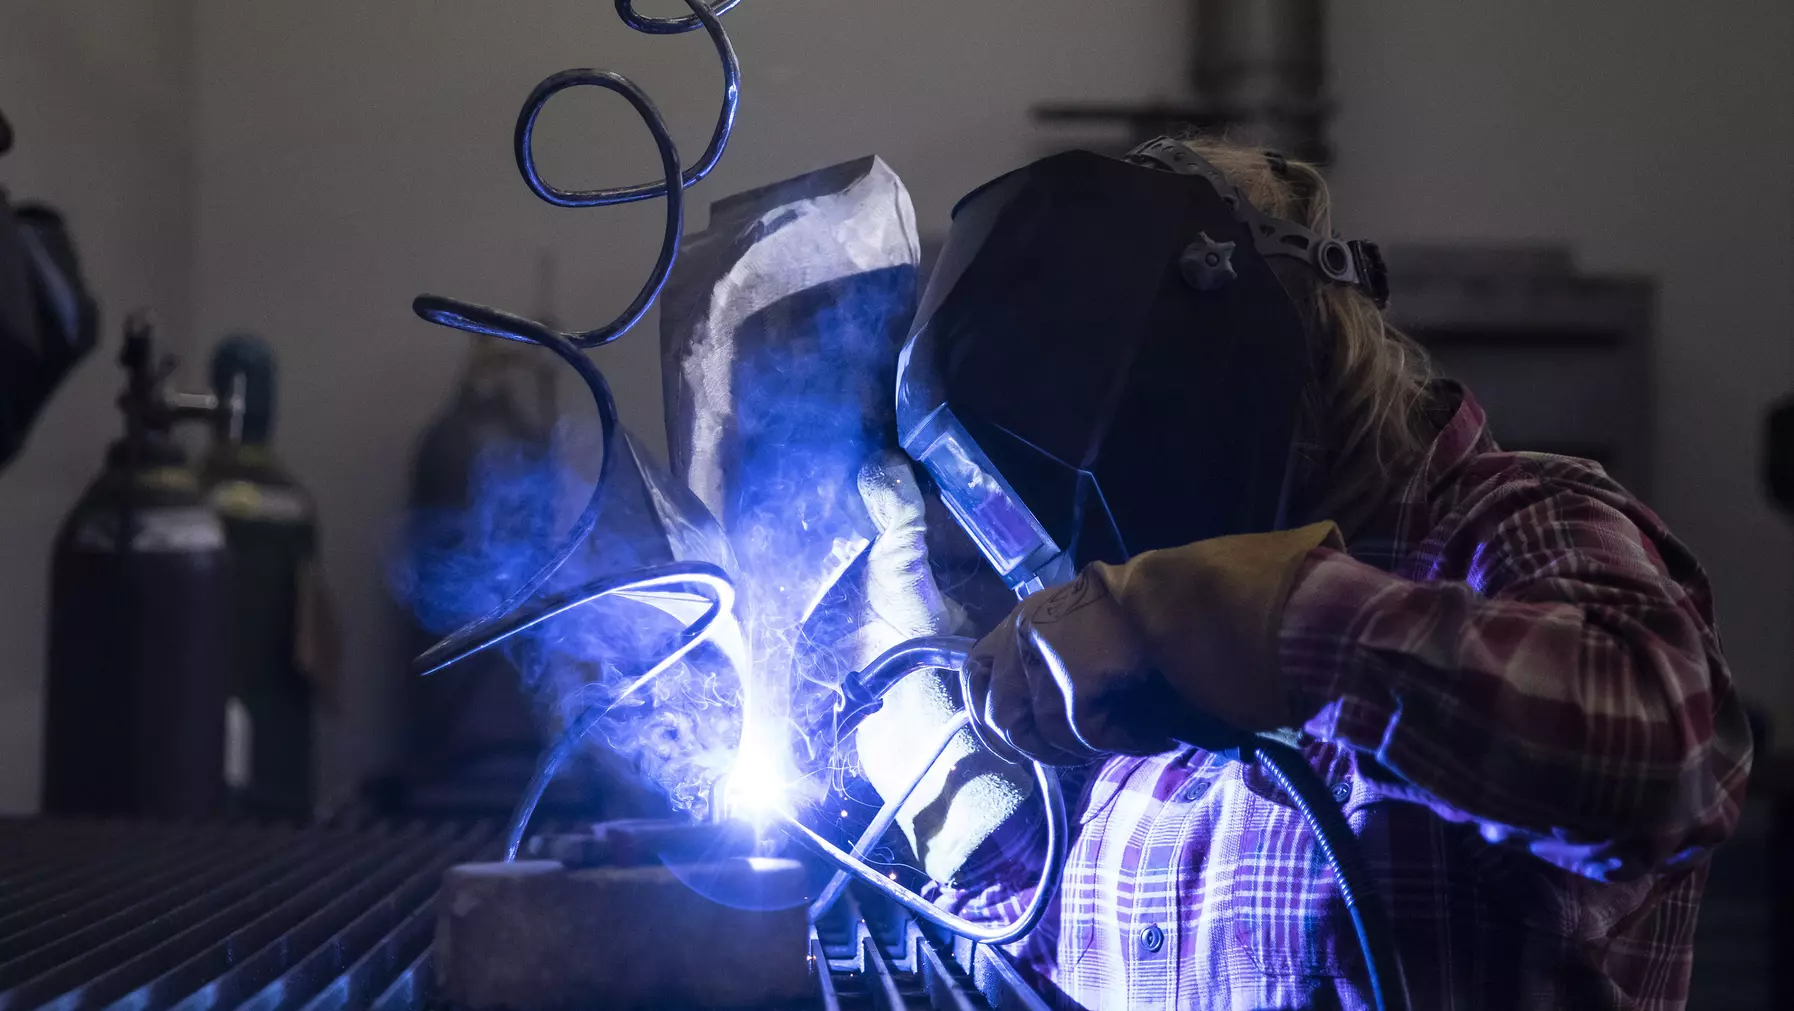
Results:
505 620
635 580
479 633
481 319
524 139
984 933
668 26
881 823
695 574
493 322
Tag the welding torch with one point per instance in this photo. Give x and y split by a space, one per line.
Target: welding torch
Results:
864 695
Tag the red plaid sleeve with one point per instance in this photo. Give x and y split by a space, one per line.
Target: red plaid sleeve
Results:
1555 677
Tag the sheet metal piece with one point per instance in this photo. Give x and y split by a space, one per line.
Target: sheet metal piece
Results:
780 329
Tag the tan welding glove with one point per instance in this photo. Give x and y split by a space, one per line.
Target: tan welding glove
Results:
970 792
1129 659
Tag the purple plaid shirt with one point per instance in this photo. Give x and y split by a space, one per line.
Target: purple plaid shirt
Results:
1513 683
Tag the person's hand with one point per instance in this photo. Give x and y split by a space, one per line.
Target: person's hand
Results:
1174 646
1064 678
969 793
902 600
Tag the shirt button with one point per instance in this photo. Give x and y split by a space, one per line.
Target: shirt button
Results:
1342 791
1152 938
1193 792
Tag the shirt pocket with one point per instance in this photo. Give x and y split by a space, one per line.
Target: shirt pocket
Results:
1079 888
1288 913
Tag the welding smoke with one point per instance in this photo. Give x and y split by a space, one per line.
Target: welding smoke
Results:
779 335
678 732
780 332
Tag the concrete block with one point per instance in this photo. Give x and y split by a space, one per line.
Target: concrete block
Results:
536 935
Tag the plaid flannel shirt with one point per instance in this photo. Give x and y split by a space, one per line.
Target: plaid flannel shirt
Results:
1514 686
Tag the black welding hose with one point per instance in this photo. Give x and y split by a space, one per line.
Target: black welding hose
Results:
1333 834
1313 800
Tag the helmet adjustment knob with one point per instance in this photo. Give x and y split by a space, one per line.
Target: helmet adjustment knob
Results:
1207 264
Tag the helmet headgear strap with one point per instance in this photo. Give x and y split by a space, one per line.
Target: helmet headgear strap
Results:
1355 264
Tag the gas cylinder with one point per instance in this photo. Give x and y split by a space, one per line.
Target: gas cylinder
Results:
479 503
486 509
136 680
278 641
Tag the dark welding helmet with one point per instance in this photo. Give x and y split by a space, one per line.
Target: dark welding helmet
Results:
1109 359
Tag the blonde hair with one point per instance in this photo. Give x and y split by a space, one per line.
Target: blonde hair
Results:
1368 397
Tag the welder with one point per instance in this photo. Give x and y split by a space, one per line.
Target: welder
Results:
1163 399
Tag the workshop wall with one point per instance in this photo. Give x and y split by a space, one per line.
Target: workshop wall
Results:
352 155
101 99
1654 142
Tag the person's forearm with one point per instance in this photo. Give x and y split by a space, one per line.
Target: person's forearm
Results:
1592 720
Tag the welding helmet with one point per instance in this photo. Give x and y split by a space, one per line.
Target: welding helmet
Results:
1110 357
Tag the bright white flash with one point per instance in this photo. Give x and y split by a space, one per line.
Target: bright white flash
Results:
759 786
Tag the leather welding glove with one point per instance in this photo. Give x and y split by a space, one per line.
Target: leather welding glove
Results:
969 793
1178 645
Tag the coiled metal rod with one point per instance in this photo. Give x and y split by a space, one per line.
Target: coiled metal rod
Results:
490 627
510 616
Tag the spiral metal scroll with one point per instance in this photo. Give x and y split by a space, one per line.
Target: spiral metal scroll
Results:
495 625
511 615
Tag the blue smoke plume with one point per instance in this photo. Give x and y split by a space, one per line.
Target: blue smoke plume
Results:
813 386
678 732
